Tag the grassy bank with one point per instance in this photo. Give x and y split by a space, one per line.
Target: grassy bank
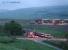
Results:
54 43
62 45
24 45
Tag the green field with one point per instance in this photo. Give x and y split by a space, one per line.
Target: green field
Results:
24 45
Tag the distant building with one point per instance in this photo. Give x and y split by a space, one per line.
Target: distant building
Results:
57 21
38 21
52 21
66 21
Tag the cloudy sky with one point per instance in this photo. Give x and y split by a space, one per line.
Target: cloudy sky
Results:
17 4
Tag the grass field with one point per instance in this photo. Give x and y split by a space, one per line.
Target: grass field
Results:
24 45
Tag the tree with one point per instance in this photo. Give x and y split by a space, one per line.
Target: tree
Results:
13 28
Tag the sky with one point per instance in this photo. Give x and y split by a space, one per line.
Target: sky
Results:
18 4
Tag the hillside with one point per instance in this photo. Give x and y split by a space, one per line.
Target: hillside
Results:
37 12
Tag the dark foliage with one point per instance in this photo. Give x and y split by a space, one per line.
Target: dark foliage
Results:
13 28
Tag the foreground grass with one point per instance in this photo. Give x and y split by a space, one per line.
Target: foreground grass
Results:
24 45
8 47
